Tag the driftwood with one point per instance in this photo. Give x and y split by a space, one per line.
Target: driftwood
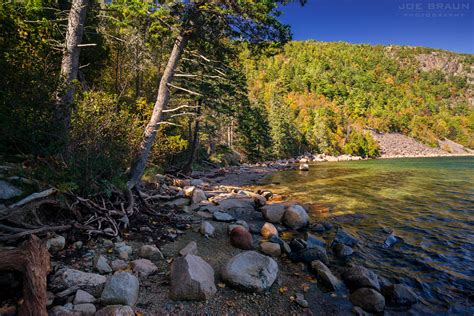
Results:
43 229
32 260
34 196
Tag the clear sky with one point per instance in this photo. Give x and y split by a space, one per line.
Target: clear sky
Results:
445 24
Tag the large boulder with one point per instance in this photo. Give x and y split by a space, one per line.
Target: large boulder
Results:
122 288
310 254
90 282
251 271
8 191
273 213
295 217
360 277
192 278
116 310
343 237
241 238
326 276
399 295
143 267
368 299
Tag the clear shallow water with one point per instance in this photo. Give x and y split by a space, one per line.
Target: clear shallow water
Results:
429 202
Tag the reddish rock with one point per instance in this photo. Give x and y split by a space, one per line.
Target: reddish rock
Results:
241 238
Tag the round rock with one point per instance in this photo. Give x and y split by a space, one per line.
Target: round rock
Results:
295 217
122 288
368 299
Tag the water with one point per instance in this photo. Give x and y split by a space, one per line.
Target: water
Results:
429 202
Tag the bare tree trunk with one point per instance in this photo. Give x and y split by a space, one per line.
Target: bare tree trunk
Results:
139 163
188 167
70 63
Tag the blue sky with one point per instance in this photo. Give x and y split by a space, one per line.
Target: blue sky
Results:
432 23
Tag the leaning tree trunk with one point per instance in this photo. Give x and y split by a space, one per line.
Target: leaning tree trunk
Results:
139 163
188 167
70 64
32 260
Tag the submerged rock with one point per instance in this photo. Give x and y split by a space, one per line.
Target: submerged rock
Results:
310 254
241 238
251 271
368 299
192 278
390 240
122 288
342 251
342 237
399 295
360 277
295 217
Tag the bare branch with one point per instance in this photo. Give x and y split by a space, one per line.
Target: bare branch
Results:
181 107
183 89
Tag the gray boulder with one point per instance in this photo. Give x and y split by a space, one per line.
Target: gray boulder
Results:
359 277
101 264
192 278
143 267
189 249
368 299
273 213
222 217
326 276
116 310
82 297
122 288
90 282
251 271
295 217
8 191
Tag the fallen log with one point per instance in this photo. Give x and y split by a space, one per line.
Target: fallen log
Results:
44 229
32 260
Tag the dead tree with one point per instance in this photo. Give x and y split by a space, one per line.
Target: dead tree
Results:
70 63
32 260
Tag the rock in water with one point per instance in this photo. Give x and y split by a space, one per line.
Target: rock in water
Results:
122 288
390 240
273 213
271 249
8 191
309 255
144 267
268 230
241 238
326 276
251 271
222 217
116 310
399 295
295 217
368 299
359 277
192 278
207 229
189 249
101 264
342 251
89 282
345 238
150 252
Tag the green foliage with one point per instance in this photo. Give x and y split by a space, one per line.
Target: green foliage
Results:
362 144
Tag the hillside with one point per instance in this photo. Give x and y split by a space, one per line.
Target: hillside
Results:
327 94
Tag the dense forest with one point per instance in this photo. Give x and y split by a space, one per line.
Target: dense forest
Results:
236 92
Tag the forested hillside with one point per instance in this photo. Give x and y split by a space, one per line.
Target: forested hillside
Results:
320 97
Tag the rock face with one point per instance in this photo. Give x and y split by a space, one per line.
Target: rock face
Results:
368 299
192 278
326 276
399 295
273 213
207 229
144 267
89 282
295 217
241 238
150 252
359 277
101 264
310 254
122 288
251 271
271 249
268 230
56 244
8 191
342 237
190 249
116 310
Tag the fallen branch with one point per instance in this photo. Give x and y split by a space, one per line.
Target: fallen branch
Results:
44 229
34 196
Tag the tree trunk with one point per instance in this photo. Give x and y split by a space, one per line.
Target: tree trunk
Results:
139 163
32 260
188 167
70 63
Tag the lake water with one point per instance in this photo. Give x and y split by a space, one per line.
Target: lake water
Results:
428 202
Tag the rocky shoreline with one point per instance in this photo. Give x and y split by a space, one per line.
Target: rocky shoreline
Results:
236 251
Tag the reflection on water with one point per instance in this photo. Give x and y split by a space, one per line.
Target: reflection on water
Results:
428 202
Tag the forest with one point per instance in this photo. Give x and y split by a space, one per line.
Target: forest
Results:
240 90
